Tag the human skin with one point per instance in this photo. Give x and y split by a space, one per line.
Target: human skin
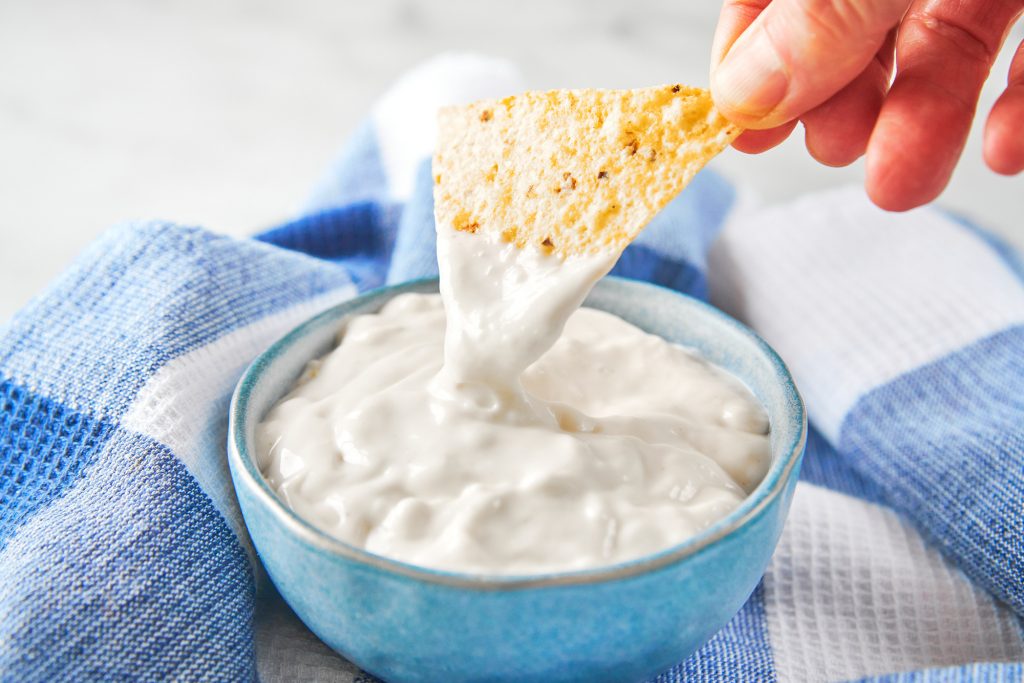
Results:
829 64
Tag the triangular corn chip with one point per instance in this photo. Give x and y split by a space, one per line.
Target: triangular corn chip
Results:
572 171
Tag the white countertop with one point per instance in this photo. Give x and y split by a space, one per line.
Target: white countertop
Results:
223 114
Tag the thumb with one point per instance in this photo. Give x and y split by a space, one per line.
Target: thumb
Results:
771 67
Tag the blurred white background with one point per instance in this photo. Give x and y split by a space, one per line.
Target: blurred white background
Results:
223 113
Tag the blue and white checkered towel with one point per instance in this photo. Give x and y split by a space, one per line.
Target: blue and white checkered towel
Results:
123 556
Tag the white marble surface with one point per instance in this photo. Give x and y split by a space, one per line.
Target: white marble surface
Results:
223 113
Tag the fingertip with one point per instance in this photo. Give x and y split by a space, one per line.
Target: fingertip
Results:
758 141
1002 164
1003 145
892 180
884 197
832 149
893 184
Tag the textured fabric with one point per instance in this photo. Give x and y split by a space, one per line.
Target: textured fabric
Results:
122 551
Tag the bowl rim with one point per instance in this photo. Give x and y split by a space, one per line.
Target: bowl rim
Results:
244 468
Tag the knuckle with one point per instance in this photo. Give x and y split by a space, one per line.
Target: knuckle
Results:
843 16
845 21
970 36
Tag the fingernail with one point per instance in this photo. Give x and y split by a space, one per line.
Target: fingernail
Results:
751 80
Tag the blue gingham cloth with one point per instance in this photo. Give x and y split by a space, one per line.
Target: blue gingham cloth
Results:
123 555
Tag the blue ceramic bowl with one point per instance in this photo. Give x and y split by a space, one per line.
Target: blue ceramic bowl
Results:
620 623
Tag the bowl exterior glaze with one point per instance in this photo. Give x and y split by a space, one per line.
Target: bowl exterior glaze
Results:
621 623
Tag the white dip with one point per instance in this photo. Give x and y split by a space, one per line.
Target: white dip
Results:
462 451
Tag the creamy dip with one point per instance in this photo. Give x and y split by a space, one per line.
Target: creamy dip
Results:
496 429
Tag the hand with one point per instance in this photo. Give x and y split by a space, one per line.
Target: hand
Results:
829 64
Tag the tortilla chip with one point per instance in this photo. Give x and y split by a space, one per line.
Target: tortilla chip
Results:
572 171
